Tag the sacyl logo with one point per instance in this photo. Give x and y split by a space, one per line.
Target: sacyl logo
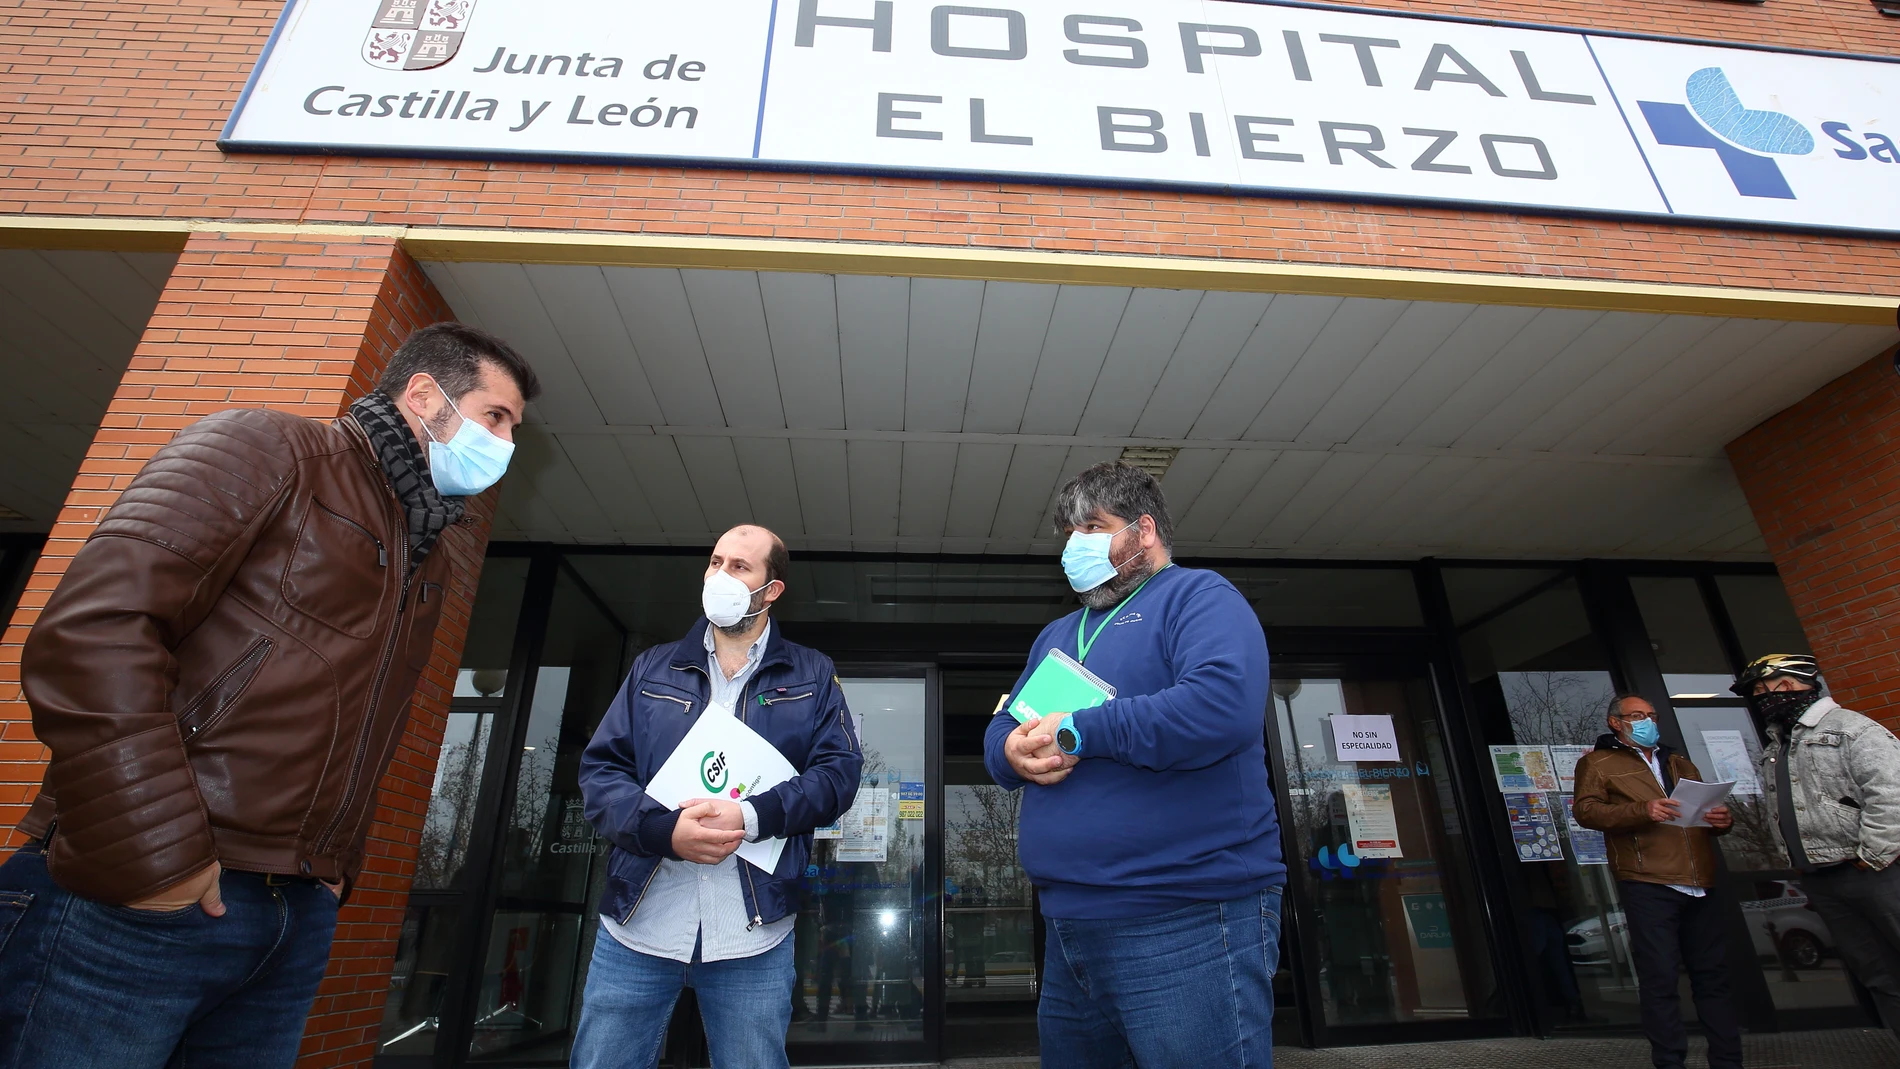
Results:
415 35
713 770
1728 127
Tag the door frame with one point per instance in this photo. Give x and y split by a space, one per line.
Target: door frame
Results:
1313 653
930 911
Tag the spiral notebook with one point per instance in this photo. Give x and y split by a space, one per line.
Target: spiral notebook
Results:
1058 685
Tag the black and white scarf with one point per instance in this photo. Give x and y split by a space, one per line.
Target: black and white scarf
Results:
396 446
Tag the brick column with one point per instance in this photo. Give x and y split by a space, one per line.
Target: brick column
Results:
304 324
1823 479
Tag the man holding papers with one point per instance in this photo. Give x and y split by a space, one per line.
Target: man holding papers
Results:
1664 871
1148 827
715 761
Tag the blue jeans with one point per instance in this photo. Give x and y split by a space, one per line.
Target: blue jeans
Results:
84 984
1192 988
746 1004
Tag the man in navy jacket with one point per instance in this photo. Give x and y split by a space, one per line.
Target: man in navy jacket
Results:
1148 824
679 907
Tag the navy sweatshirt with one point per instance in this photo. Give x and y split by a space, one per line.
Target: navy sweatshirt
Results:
1170 805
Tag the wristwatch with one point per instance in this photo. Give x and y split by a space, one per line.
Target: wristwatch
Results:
1068 739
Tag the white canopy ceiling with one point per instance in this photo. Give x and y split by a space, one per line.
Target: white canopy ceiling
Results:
939 415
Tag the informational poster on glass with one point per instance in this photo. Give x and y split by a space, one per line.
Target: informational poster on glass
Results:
1523 768
910 800
1730 761
1373 821
1533 827
866 827
1587 845
1564 760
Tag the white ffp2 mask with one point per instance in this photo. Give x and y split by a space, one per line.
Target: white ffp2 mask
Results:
726 599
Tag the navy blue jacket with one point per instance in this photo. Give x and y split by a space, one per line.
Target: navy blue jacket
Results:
794 699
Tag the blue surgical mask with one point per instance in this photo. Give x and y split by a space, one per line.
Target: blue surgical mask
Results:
1644 733
1085 559
471 461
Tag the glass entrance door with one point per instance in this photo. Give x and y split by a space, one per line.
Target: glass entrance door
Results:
866 920
1387 928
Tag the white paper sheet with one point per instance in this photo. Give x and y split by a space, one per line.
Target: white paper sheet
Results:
1565 759
1728 753
721 757
1697 799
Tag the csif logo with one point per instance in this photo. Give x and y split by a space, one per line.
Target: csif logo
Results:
1746 139
416 35
714 771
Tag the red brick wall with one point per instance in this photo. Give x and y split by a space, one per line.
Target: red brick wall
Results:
1823 480
304 326
114 108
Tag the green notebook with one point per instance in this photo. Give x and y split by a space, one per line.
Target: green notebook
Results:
1058 685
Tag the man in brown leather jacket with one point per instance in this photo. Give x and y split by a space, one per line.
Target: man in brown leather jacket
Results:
222 676
1664 873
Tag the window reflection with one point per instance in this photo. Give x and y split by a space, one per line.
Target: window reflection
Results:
1381 857
1540 677
438 900
534 964
1793 944
862 924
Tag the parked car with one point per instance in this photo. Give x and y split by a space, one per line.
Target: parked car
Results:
1779 922
1782 924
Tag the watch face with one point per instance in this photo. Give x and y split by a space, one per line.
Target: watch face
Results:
1065 738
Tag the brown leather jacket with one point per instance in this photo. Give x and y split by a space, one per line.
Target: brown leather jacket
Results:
1614 789
226 666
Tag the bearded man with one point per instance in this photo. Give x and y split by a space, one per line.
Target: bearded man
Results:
1148 825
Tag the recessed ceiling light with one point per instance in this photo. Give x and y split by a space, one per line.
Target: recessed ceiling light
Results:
1154 460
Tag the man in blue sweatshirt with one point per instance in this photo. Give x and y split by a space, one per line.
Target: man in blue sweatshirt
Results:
1148 824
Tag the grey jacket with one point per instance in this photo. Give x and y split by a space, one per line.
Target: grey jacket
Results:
1845 774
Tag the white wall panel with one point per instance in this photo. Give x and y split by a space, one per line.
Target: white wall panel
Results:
731 318
771 484
824 486
1144 345
977 490
652 305
1484 389
581 310
1413 338
656 465
924 494
1288 328
1080 331
599 465
801 313
873 335
1349 335
1221 325
944 315
1008 347
512 310
713 466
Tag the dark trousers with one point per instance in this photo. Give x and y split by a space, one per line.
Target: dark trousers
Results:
1862 911
1667 930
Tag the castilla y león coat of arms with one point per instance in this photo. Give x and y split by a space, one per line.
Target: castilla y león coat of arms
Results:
414 35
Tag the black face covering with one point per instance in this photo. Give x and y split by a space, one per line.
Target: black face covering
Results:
1783 706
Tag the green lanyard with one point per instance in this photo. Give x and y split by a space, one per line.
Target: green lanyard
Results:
1082 644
